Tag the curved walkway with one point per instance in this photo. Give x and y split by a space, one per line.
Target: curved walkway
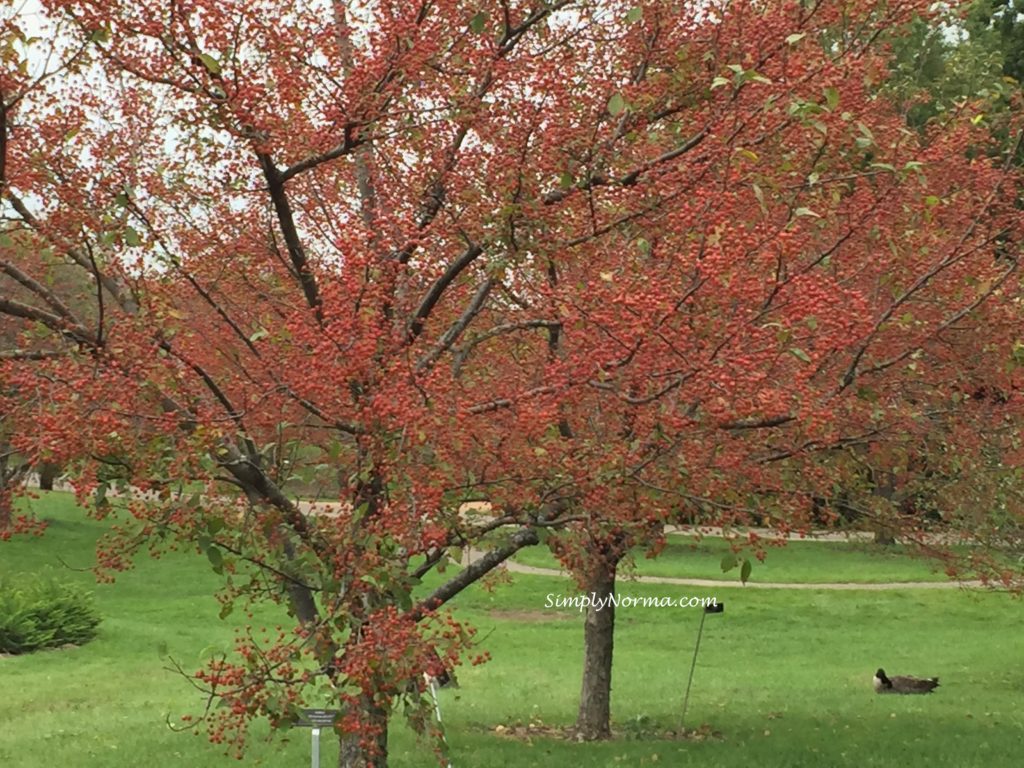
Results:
472 554
515 567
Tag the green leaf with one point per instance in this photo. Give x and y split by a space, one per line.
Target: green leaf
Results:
209 652
100 35
799 354
260 333
565 180
131 237
832 97
806 212
795 38
745 570
211 64
616 104
477 22
719 81
213 554
634 14
225 610
729 561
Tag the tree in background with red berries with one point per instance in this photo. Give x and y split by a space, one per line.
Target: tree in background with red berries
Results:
789 292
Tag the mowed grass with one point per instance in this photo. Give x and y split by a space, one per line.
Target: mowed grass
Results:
798 562
784 676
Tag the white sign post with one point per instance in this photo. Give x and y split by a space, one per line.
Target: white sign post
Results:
317 719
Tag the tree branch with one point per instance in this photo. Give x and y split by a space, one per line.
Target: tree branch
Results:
452 334
524 537
286 221
437 290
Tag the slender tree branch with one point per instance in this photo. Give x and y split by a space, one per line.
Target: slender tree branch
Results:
524 537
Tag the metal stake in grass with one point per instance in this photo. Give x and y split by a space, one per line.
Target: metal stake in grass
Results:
716 608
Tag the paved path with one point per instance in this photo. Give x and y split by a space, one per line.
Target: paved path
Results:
313 507
715 531
514 567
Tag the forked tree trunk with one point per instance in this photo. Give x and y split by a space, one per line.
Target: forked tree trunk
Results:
594 718
369 748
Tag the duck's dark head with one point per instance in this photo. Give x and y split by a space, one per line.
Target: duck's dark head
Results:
880 674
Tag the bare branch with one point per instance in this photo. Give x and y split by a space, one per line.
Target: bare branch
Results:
452 334
437 290
524 537
54 322
286 221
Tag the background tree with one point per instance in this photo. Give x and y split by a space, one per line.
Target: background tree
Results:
831 212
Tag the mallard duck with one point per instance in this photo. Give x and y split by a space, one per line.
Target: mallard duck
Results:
904 684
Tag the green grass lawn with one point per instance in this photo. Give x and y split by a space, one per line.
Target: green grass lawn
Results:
783 675
807 562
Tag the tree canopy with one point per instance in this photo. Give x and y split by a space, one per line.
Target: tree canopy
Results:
590 262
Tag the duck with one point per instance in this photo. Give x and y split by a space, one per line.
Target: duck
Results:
904 684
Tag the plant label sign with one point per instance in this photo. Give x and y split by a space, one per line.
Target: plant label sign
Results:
318 718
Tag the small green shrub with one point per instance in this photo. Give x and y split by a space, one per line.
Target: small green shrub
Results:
41 612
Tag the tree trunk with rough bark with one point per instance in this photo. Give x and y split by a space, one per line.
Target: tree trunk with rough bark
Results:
594 718
369 747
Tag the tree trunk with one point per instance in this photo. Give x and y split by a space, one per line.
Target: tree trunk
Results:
6 512
886 488
594 718
369 747
884 538
10 476
47 474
